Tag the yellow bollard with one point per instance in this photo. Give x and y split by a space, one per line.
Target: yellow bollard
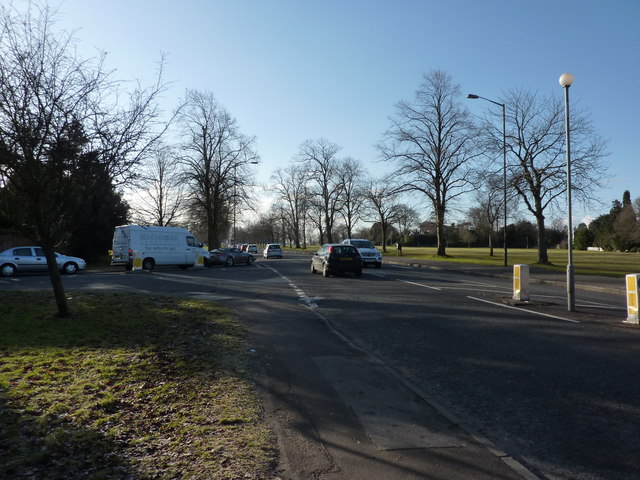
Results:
137 261
632 298
521 282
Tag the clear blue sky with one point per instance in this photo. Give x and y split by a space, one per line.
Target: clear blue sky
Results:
295 70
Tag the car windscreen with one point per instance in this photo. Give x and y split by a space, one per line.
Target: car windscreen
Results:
362 244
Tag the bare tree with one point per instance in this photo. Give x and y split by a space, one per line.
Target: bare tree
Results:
381 201
351 177
162 196
431 141
489 205
291 186
216 160
53 113
536 155
319 158
406 217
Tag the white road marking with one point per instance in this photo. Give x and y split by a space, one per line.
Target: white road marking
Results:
524 310
419 284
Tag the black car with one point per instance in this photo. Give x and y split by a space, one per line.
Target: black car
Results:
336 258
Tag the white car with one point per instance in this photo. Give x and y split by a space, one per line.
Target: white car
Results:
272 250
369 253
32 259
252 248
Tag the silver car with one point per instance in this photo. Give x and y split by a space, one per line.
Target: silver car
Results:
272 250
32 259
370 254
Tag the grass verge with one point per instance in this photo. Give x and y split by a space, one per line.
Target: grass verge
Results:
129 387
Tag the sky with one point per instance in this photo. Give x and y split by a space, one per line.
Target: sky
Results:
290 71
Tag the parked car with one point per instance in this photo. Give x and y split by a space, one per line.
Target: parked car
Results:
272 250
230 256
337 258
369 253
252 248
32 259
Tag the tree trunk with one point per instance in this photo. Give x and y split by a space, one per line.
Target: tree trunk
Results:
543 256
56 283
491 242
442 249
384 236
328 228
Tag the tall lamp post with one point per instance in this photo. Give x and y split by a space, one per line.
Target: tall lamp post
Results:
504 164
566 79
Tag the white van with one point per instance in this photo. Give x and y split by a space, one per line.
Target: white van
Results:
147 246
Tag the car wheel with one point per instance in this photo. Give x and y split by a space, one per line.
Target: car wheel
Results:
8 270
325 270
250 260
69 268
128 267
358 273
148 264
229 262
313 269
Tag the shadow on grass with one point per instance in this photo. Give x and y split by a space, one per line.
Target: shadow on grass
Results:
33 448
129 386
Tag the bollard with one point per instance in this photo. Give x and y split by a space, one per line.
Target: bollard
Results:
521 282
200 262
137 261
632 298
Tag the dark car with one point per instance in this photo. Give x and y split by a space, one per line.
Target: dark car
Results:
229 256
336 258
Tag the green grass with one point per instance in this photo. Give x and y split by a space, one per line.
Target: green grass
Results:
130 386
612 264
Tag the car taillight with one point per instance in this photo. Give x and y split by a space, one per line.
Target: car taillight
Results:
330 249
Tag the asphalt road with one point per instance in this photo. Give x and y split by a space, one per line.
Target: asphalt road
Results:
413 373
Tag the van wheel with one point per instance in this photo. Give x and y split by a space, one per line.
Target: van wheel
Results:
148 264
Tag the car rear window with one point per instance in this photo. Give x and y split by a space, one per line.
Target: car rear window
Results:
343 250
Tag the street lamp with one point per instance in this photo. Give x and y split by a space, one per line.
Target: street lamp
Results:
566 79
504 166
